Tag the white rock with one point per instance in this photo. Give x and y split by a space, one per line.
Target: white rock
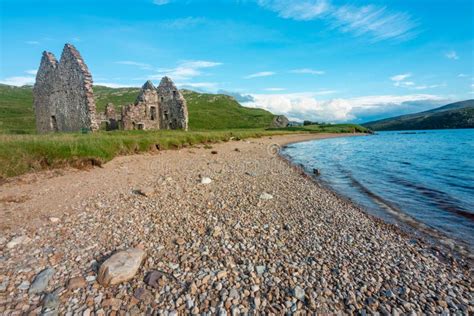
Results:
206 180
121 267
266 196
54 219
18 241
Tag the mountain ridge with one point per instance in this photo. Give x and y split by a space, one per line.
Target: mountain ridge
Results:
454 115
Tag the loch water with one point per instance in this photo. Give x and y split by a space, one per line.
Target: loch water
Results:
421 179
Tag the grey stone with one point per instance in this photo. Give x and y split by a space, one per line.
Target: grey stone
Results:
51 301
280 121
41 281
63 96
298 293
121 267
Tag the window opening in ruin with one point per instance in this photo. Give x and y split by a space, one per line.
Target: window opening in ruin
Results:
162 99
166 115
153 113
141 126
54 123
174 94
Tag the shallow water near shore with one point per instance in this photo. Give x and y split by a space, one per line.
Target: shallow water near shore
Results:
425 178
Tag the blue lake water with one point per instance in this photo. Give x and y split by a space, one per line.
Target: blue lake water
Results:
422 177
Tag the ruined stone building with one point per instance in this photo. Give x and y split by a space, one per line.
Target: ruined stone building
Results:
64 100
156 108
63 97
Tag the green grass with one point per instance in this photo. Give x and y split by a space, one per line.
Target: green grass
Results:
25 153
16 110
206 111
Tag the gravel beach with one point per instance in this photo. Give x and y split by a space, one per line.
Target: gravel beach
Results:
227 230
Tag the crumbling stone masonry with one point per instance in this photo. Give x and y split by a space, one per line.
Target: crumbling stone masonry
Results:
63 96
64 100
156 108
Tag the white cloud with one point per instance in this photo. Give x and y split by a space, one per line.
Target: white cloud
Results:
299 10
114 85
19 81
202 85
32 42
31 72
378 23
183 23
186 70
301 106
463 76
161 2
274 89
398 78
451 55
136 64
260 74
307 71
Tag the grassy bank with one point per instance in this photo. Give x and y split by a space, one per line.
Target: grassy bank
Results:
20 154
25 153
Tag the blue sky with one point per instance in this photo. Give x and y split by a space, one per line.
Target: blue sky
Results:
323 60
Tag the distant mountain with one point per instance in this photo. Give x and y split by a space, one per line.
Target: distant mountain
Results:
454 115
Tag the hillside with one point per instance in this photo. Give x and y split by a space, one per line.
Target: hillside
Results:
206 111
454 115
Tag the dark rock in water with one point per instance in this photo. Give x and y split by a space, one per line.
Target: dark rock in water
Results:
316 172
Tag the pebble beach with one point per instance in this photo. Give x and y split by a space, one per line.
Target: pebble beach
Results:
221 229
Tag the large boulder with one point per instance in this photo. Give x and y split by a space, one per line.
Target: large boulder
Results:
280 121
121 267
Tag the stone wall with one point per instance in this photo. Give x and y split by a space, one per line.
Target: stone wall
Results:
157 108
63 96
64 100
173 107
145 112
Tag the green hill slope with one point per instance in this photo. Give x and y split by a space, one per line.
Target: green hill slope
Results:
454 115
206 111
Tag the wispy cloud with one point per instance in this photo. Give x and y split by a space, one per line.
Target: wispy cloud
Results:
161 2
463 75
113 85
183 23
307 71
274 89
260 74
400 80
136 64
303 10
31 72
19 81
451 55
186 70
201 85
32 42
376 22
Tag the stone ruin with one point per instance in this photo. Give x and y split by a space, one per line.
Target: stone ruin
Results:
63 97
64 100
156 108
